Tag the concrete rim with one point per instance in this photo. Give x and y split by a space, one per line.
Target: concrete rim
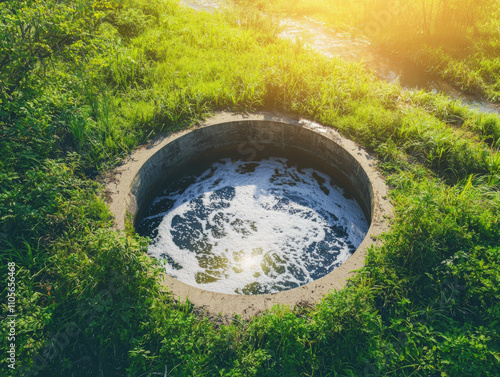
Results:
119 187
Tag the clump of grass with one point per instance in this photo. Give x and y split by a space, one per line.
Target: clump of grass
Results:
458 42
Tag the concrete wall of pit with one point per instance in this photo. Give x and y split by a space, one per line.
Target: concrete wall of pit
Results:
139 180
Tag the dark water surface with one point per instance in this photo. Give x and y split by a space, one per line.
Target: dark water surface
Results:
253 227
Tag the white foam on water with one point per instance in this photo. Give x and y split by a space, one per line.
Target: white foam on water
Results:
256 227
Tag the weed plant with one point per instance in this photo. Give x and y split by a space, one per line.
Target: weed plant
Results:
83 83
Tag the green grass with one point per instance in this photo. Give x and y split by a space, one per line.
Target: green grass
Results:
458 41
88 300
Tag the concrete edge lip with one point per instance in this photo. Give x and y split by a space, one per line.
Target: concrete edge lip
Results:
120 183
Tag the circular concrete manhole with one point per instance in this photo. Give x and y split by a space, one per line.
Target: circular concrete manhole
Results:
247 212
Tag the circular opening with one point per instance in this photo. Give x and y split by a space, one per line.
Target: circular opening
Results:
252 227
215 165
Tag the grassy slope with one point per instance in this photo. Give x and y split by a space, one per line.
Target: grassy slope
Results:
467 57
427 302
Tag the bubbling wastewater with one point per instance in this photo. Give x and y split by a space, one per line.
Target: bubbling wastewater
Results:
253 227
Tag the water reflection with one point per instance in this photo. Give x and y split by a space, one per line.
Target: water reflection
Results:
253 227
